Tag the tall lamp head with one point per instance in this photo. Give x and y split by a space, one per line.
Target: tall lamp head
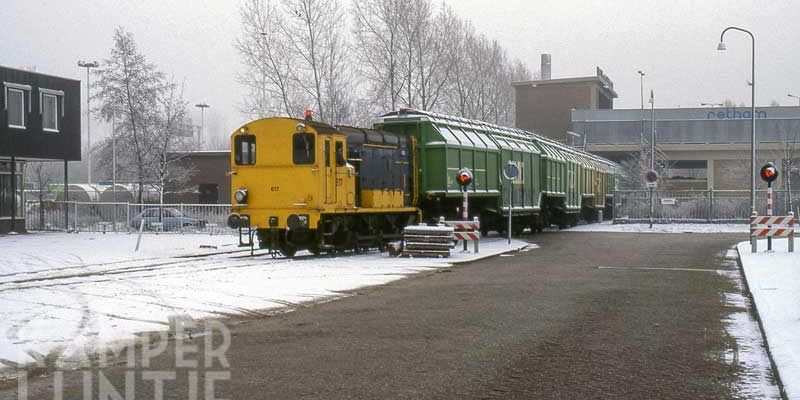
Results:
721 46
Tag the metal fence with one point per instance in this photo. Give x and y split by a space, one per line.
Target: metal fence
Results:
698 205
126 217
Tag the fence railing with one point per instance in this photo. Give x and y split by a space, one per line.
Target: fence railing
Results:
127 217
699 205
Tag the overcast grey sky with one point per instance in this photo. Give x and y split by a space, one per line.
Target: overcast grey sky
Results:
674 42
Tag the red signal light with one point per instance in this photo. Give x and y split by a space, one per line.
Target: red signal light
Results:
464 177
769 172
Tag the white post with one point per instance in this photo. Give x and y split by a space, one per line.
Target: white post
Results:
465 212
465 206
791 234
753 239
510 206
769 213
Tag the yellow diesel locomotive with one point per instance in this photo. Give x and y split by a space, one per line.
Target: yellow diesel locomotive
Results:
301 184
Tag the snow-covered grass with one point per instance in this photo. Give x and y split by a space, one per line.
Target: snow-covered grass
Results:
774 282
608 226
85 290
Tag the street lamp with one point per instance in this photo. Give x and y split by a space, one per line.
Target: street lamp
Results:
721 46
88 66
641 93
202 107
795 97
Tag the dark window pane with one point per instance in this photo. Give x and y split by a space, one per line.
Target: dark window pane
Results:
16 107
303 148
340 162
50 112
245 150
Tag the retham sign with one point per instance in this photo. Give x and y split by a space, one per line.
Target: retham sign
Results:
731 113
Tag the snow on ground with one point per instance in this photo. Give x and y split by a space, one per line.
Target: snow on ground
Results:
749 353
607 226
774 282
81 291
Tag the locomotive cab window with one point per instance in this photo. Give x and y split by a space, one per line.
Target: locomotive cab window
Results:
245 153
340 161
303 148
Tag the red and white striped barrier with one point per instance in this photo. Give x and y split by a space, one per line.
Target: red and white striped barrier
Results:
465 231
771 227
463 225
474 236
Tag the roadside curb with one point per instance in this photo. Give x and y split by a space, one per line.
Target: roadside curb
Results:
485 256
775 371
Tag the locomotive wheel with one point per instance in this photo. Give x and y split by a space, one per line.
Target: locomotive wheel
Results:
288 250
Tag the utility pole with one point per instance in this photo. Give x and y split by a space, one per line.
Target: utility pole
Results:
202 107
88 66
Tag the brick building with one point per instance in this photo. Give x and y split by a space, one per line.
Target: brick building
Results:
208 183
544 106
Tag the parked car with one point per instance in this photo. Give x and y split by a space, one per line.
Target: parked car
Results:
170 218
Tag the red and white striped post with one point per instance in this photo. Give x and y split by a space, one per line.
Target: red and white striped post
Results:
753 237
769 213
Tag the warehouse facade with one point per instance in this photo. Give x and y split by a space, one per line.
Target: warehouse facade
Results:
700 148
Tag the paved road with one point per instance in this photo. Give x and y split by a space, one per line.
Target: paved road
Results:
546 323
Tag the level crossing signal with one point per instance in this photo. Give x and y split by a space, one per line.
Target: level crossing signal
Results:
769 172
464 177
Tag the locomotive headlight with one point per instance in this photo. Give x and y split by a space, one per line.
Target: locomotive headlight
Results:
241 196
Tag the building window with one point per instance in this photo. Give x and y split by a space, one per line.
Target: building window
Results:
15 106
245 150
50 112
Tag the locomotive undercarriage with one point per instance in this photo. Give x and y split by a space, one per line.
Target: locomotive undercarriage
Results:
338 233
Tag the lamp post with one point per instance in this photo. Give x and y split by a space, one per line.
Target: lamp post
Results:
652 152
795 97
641 93
202 107
721 46
88 66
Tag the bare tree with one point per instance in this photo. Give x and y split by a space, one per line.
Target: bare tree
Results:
789 153
408 52
376 30
168 138
268 61
41 174
314 33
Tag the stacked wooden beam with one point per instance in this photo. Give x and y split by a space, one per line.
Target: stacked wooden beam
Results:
427 241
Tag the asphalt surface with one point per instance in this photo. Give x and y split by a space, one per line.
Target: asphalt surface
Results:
587 315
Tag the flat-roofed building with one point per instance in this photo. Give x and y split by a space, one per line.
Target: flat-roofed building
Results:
40 119
702 147
544 105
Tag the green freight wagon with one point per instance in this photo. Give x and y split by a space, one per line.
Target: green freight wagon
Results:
547 191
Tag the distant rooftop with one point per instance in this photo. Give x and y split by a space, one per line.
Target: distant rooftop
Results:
600 79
